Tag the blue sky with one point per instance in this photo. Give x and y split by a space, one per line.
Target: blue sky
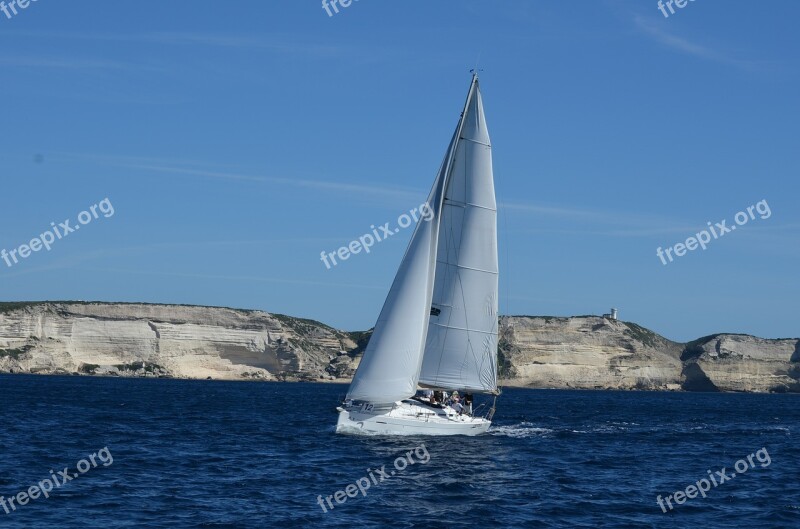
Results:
238 140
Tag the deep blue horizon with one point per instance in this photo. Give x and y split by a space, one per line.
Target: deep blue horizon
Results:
237 144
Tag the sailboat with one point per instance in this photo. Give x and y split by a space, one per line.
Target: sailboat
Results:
438 326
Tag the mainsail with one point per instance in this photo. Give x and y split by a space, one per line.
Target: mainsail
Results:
461 349
459 343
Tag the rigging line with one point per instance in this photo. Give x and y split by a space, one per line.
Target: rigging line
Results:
507 273
464 267
464 205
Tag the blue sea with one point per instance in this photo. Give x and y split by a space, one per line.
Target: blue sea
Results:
204 454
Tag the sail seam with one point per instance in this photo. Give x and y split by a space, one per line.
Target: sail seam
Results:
492 333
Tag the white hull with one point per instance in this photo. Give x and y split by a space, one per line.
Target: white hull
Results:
408 418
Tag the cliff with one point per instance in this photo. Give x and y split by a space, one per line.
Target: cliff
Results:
585 352
737 362
166 340
588 353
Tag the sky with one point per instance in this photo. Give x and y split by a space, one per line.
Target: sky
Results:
234 142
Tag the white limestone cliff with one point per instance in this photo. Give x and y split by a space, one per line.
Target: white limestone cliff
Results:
586 352
162 340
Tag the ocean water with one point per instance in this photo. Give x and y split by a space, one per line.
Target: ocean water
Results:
202 454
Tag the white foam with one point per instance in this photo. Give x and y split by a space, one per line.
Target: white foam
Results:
521 430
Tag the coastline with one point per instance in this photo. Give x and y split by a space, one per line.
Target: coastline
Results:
216 343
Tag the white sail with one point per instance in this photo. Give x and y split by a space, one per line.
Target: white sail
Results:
438 326
461 347
389 369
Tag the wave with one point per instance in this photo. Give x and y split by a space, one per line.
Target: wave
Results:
521 430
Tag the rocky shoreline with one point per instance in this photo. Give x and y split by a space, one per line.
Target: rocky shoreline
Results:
177 341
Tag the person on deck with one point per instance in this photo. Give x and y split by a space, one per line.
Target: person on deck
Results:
455 403
468 403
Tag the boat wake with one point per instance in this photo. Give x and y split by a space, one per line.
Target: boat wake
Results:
520 431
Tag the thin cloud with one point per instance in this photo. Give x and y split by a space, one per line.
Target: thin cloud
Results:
74 263
643 232
619 223
283 44
577 214
686 46
249 279
352 189
62 63
648 224
607 217
319 185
